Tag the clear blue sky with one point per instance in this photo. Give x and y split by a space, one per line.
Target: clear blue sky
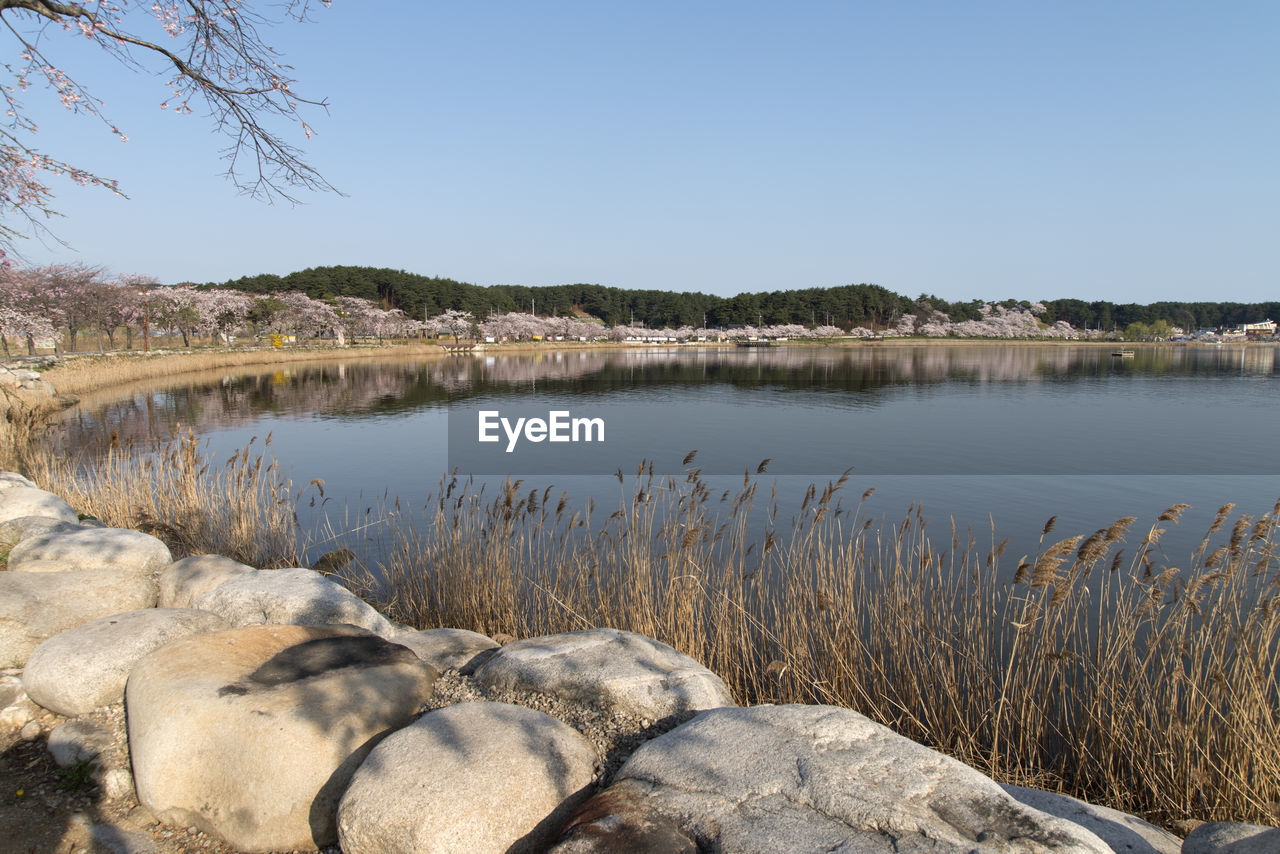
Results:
1128 151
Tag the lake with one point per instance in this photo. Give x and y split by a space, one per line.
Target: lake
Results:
1003 435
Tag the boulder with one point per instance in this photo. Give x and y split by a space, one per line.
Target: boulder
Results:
21 500
299 597
252 733
35 606
1230 837
77 671
13 531
445 649
622 670
10 479
89 549
111 839
184 581
613 822
10 690
820 778
73 741
474 777
16 709
1123 832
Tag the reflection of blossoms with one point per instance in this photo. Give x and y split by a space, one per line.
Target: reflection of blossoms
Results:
352 389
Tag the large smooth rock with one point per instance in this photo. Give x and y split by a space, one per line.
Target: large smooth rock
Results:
19 500
1123 832
819 778
13 531
623 670
184 581
474 777
300 597
1230 837
252 733
613 822
444 649
73 741
35 606
83 668
89 549
10 479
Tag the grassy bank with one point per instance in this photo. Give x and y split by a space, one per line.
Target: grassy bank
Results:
1092 666
90 372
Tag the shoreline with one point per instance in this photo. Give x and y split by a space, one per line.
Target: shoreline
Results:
809 654
71 373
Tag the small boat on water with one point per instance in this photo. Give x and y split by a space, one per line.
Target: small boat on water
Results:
1124 354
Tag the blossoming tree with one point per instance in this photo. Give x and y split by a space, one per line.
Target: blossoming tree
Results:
211 52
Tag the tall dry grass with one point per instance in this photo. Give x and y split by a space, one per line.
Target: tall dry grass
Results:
87 372
1084 667
243 508
1091 666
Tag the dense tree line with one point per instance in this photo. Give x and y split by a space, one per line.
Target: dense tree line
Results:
845 306
1188 315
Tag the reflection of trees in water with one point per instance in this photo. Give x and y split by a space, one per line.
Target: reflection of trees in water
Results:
364 389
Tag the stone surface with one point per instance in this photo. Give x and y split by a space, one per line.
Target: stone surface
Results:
10 690
1123 832
116 840
1229 837
83 668
19 500
819 778
475 777
35 606
184 581
13 531
300 597
446 649
10 479
73 741
16 708
619 669
89 549
252 733
612 822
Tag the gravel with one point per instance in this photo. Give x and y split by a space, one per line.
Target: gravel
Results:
614 735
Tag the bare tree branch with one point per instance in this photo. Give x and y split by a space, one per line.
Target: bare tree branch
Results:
217 55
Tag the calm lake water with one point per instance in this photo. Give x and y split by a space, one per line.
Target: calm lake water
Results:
985 434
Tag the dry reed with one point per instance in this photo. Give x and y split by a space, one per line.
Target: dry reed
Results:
1124 681
1148 688
90 372
243 508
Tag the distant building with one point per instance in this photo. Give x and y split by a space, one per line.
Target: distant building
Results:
1259 330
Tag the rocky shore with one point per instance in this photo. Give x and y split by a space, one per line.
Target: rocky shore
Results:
207 705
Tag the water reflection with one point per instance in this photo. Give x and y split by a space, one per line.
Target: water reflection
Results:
363 389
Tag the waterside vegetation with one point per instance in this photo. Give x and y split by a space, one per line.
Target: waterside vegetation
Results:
844 306
1098 665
